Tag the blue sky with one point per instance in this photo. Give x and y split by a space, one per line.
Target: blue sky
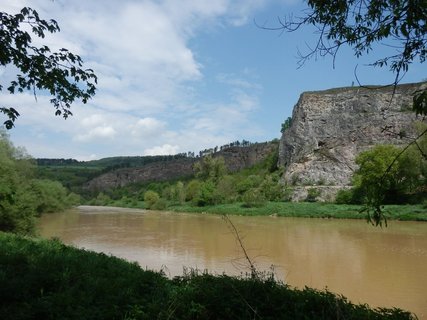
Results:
177 76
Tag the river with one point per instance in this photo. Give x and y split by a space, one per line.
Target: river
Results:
382 267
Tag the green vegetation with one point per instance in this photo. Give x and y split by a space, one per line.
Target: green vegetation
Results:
42 279
74 174
212 185
60 73
286 124
389 175
258 190
22 196
307 210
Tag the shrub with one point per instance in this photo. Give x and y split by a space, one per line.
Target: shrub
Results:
251 182
206 194
150 199
272 189
253 198
159 205
344 196
192 189
312 194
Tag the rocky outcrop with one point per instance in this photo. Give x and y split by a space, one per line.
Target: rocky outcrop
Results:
157 171
330 128
236 158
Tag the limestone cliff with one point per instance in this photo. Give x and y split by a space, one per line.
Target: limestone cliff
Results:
236 158
330 128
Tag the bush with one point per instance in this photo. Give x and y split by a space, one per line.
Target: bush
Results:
312 195
192 189
206 194
344 196
150 199
159 205
250 182
253 198
272 189
354 195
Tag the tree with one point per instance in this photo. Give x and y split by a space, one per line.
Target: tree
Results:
192 189
60 74
210 168
150 199
361 25
286 124
383 177
22 198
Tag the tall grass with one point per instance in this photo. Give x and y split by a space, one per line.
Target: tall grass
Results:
307 210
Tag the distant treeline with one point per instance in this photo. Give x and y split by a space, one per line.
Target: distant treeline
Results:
56 162
112 163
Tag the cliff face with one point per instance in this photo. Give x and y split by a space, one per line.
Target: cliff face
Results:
236 158
330 128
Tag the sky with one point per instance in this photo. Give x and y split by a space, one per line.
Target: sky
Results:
177 76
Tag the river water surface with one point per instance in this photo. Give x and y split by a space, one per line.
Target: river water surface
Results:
382 267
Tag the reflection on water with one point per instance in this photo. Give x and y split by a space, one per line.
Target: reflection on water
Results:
381 267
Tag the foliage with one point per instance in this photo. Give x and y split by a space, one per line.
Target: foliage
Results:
206 194
210 168
180 192
384 177
43 279
160 204
226 190
48 280
22 197
312 194
58 73
354 195
101 200
192 189
253 198
250 182
306 210
286 124
150 199
50 196
272 189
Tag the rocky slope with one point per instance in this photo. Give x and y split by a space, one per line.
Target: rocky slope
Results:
236 158
330 128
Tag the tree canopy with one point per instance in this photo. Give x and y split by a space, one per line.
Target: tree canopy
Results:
22 196
60 74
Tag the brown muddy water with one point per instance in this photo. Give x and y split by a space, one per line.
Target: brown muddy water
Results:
382 267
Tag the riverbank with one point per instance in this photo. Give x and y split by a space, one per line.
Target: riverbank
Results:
47 279
297 209
308 210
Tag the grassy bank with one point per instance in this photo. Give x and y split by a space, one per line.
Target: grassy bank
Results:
303 210
41 279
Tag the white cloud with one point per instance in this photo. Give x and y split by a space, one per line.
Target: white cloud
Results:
141 52
92 120
148 127
238 82
101 132
165 149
